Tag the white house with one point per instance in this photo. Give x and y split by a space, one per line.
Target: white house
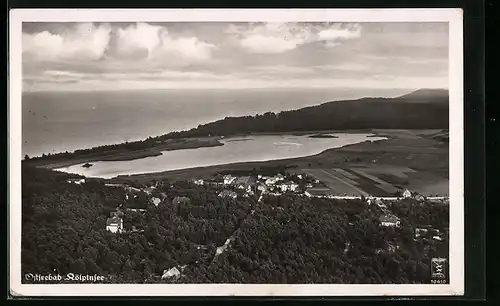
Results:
419 197
406 194
155 201
114 225
271 181
76 181
174 272
289 186
229 179
262 187
389 220
228 194
420 231
198 181
137 209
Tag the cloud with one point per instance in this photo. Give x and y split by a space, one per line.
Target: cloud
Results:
145 41
82 41
102 56
336 32
135 40
190 47
282 37
90 42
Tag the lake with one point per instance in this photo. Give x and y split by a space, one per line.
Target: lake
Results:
234 150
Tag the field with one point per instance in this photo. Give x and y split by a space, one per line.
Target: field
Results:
379 180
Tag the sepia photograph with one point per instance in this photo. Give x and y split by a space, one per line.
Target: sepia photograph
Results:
236 152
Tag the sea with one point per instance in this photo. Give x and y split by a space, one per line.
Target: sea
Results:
55 122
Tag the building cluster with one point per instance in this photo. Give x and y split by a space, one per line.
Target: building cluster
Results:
115 223
76 181
248 185
428 231
389 220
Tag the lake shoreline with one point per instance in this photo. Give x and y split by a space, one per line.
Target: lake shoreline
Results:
434 159
123 155
56 162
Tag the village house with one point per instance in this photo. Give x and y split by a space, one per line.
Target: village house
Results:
274 179
389 220
228 194
288 186
270 181
155 201
198 181
229 179
114 225
76 181
149 190
262 187
137 209
406 194
419 197
420 231
180 200
244 182
173 272
437 238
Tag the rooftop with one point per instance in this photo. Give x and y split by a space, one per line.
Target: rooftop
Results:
227 193
389 218
180 199
243 180
113 221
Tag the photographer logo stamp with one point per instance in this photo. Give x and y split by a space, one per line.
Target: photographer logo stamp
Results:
438 268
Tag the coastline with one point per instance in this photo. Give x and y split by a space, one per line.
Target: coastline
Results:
123 155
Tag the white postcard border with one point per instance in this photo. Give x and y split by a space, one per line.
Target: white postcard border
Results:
456 259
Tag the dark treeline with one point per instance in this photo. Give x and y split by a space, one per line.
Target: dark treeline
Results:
287 239
367 113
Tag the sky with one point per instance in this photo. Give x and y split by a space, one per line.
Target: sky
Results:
209 55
